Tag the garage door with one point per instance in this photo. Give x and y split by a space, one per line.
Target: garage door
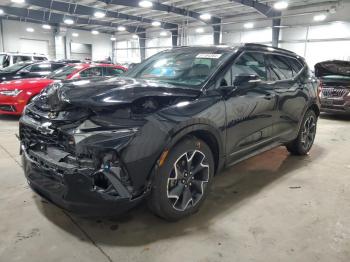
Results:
34 46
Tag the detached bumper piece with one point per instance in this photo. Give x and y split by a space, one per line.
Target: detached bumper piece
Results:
77 187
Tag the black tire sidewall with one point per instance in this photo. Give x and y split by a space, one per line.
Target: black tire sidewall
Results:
301 148
161 204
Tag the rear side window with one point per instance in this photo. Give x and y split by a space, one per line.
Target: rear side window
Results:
92 72
295 65
56 66
250 64
40 58
280 68
39 68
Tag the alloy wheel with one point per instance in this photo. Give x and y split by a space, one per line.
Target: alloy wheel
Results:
188 179
309 132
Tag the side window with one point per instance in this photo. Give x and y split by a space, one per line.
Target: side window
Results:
19 58
280 68
92 72
250 64
295 65
56 66
39 58
111 71
39 68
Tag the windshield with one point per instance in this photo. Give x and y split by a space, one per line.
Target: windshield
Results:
14 68
185 67
64 72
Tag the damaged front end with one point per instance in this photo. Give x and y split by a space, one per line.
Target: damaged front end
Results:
90 148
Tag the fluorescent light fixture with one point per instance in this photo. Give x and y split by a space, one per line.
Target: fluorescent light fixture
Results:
156 23
18 1
95 32
46 26
68 21
135 36
163 33
281 5
30 30
121 28
205 16
113 38
248 25
75 34
99 14
320 17
2 12
145 4
200 30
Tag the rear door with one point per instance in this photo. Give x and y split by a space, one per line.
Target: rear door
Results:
290 86
251 113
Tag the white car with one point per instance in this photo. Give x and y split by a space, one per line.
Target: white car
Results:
8 59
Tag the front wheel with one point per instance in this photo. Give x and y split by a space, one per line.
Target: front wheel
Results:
305 140
181 184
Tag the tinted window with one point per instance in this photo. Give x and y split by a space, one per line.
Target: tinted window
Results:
295 65
56 66
39 58
111 71
250 64
39 68
280 68
21 58
92 72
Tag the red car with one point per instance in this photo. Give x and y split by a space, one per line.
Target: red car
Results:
16 94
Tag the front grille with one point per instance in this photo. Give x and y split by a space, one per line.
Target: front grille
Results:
334 92
31 137
7 108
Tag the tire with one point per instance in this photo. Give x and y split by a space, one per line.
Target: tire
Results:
306 136
178 192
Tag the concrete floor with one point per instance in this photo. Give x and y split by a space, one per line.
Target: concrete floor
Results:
274 207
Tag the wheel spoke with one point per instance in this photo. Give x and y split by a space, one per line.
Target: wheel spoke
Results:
186 198
198 186
176 191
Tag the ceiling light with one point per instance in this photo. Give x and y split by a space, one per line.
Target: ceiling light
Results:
135 36
95 32
1 12
68 21
280 5
205 17
99 14
200 30
145 4
320 17
75 34
121 28
46 26
30 30
248 25
156 23
113 38
18 1
163 33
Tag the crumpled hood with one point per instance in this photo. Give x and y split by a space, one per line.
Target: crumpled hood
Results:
115 91
334 67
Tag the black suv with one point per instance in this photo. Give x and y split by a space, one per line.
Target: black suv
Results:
162 131
29 69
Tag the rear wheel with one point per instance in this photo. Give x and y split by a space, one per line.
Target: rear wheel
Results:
181 184
303 143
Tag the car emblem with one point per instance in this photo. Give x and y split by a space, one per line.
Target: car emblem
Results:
52 115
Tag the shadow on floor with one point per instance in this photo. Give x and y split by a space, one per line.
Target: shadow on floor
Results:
231 189
335 117
9 118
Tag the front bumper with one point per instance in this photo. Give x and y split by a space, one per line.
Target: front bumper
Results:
72 188
12 105
335 106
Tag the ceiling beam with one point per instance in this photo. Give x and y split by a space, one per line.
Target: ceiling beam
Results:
77 9
263 9
56 18
165 8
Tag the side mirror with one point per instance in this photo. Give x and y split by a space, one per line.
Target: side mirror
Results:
246 81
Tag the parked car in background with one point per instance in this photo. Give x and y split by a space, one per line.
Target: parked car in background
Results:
29 69
16 94
335 83
9 59
165 129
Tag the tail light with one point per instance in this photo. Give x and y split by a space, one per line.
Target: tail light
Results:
319 89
